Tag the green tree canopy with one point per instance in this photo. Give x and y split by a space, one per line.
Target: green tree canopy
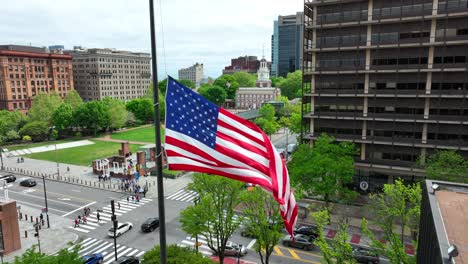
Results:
11 121
267 121
276 81
93 115
213 216
37 130
291 85
175 255
31 256
447 165
214 94
142 108
187 83
245 79
63 117
73 99
323 169
228 83
117 112
162 85
44 106
397 202
263 219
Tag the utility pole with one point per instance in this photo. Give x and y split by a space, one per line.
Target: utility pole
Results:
114 222
56 160
36 227
45 198
197 200
1 157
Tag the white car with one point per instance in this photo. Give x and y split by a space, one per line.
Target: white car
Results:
121 228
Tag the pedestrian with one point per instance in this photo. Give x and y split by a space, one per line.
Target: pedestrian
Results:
98 216
68 169
77 224
79 218
118 204
22 159
128 199
84 219
133 199
18 160
144 192
138 198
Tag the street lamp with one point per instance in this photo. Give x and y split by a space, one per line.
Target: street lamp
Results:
45 198
56 161
197 200
1 156
239 253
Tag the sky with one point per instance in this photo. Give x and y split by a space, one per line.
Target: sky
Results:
187 31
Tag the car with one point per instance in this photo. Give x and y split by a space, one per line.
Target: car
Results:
302 241
28 183
127 260
8 178
362 255
121 229
291 148
307 230
93 258
150 224
234 249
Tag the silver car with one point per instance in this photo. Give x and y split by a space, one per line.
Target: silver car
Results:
233 249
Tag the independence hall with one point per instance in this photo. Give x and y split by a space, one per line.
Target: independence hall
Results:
26 71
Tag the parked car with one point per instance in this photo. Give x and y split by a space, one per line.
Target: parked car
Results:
234 249
150 224
8 178
121 229
307 230
302 241
291 148
28 183
93 258
362 255
127 260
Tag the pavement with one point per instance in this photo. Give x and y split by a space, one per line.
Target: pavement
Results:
51 239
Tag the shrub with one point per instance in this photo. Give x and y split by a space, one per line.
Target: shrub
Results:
37 130
54 134
26 138
78 134
12 135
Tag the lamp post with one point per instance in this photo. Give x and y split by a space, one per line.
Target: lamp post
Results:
45 198
1 156
56 161
239 253
197 200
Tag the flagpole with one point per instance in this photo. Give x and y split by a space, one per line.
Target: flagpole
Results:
157 127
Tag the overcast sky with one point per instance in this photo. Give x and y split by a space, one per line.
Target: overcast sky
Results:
207 31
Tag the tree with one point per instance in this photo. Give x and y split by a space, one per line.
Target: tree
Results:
187 83
63 117
162 101
267 120
337 250
263 220
175 255
276 81
447 165
93 115
162 85
324 169
73 99
117 112
291 84
214 94
213 216
142 108
12 135
44 106
63 256
244 79
11 121
228 83
397 202
37 130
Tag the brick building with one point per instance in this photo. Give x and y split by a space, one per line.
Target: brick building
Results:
9 227
26 71
248 64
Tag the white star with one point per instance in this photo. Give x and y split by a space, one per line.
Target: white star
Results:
188 132
172 93
203 130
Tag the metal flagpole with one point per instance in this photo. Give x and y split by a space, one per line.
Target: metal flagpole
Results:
157 127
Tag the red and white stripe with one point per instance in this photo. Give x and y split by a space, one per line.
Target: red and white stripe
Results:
242 152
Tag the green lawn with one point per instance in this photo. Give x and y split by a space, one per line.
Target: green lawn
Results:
40 144
83 155
144 134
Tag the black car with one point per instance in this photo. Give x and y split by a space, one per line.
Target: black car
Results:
28 183
127 260
362 255
311 231
8 178
150 224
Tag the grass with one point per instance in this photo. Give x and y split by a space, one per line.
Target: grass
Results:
83 155
144 134
40 144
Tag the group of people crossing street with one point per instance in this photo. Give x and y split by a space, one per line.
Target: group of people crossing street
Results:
83 219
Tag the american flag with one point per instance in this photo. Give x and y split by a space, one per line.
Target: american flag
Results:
203 137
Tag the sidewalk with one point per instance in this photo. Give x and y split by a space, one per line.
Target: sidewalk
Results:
52 239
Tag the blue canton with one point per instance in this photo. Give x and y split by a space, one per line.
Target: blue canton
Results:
190 114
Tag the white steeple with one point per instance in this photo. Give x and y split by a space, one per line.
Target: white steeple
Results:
263 73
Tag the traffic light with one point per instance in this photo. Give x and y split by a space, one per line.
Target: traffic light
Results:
36 234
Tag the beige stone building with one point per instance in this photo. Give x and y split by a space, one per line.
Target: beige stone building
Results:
26 71
118 74
193 73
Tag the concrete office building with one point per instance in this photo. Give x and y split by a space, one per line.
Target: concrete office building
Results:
99 73
289 48
193 73
390 76
26 71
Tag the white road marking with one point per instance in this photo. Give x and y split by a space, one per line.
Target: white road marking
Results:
250 245
78 209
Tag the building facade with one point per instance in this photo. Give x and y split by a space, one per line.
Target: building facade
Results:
26 71
390 76
248 64
121 75
274 50
289 48
9 227
193 73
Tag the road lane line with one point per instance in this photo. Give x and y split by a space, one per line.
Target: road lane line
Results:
293 254
78 209
250 245
141 253
40 197
304 252
303 260
278 251
40 206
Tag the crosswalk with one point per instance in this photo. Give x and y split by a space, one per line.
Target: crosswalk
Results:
183 195
202 245
106 248
106 213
